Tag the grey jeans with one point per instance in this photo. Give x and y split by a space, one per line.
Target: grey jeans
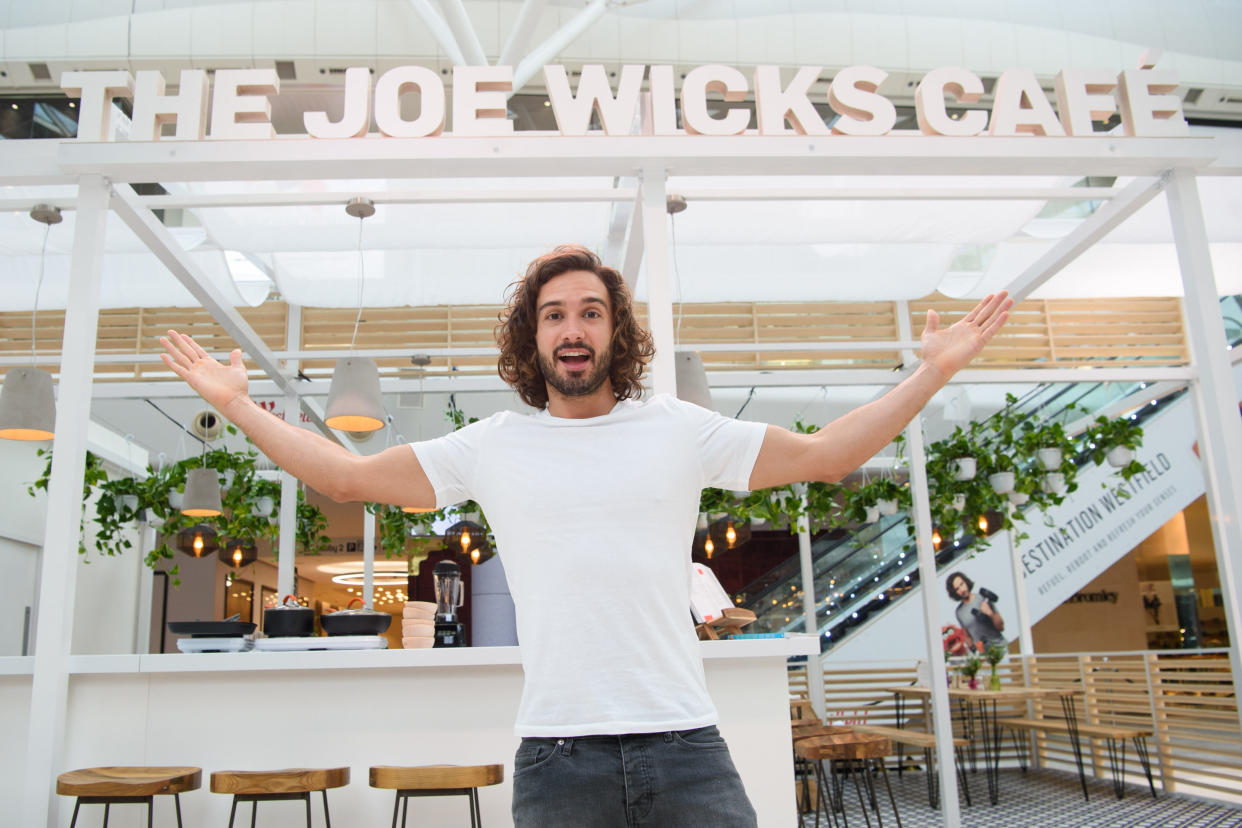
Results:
677 779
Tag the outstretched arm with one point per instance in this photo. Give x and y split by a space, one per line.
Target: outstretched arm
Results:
391 476
847 442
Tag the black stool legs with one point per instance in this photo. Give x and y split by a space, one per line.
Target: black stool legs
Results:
255 799
109 801
402 802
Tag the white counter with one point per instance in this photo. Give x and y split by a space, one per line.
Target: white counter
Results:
360 708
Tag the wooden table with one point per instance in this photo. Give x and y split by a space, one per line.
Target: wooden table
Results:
983 702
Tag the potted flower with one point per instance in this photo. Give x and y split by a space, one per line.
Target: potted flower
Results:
888 495
999 468
970 669
995 653
962 449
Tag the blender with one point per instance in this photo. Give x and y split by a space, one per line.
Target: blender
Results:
449 632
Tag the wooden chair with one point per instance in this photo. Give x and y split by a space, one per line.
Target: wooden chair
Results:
115 785
855 753
436 780
267 786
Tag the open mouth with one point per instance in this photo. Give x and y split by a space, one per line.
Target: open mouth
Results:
574 358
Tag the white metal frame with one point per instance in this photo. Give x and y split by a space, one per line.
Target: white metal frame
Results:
98 168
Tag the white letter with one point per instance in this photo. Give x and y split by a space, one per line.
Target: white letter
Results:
239 105
573 114
713 77
964 86
388 89
153 109
663 100
1083 96
1010 117
96 90
1147 108
774 104
356 114
479 101
852 95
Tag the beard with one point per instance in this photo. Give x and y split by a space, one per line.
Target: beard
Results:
583 383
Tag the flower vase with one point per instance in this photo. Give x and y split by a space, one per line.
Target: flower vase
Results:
974 683
994 680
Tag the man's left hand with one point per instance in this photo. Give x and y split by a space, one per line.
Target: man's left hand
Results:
951 349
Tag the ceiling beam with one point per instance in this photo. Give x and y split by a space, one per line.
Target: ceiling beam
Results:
542 54
519 36
463 32
1102 222
143 223
525 156
440 31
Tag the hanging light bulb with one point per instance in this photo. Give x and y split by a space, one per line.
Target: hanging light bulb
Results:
474 556
731 535
354 402
936 539
27 403
465 539
239 552
709 547
198 541
983 523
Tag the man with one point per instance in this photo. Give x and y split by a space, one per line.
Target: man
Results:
976 614
594 501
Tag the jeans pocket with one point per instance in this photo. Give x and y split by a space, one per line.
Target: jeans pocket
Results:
700 738
534 753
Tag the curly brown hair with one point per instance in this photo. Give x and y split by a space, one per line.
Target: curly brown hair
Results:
631 345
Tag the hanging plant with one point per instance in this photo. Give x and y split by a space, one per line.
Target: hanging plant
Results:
1115 441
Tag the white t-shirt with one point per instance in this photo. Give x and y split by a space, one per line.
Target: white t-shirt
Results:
594 520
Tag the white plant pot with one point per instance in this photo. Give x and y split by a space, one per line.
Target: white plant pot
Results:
154 520
1019 498
1053 483
964 468
129 502
1119 456
174 499
1002 482
702 522
1049 458
263 506
873 514
886 507
959 502
226 478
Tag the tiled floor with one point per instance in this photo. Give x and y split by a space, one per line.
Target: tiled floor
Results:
1044 798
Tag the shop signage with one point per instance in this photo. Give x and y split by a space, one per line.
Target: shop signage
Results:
1099 596
240 99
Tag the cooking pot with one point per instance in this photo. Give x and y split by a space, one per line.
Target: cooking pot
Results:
230 628
355 621
288 619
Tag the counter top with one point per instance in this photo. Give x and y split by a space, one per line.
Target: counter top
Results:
794 645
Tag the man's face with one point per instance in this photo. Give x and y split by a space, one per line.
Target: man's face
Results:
573 333
960 589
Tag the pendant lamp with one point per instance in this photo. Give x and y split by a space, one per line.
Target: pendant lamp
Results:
27 404
692 379
470 539
197 541
237 552
202 493
354 402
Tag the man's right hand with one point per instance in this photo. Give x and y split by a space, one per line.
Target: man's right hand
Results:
215 382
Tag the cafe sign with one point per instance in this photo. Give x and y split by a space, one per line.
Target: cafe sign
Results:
1144 98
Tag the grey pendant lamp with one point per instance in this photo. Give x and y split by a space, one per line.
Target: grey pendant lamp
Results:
27 403
202 494
354 402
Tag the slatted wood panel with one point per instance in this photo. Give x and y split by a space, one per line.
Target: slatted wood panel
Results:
1061 332
1186 698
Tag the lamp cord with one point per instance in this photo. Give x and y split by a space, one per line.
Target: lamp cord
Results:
681 300
362 281
34 312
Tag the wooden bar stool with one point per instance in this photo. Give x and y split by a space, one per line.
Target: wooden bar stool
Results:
436 780
116 785
268 786
857 752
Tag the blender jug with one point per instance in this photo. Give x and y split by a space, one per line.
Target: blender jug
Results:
449 597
